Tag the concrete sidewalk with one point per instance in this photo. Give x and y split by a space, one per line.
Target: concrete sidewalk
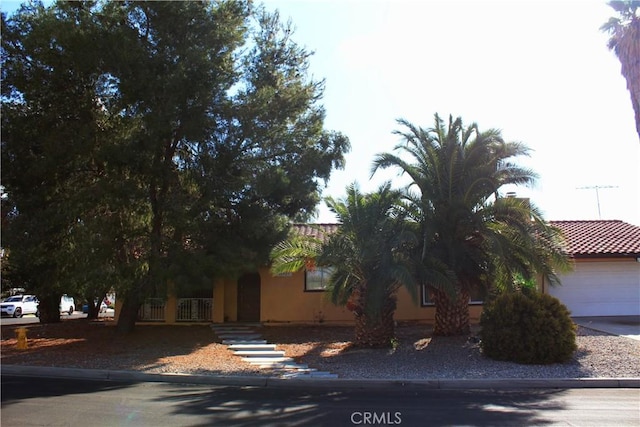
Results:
624 326
331 383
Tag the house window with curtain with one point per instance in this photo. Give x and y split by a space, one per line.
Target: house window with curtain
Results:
317 280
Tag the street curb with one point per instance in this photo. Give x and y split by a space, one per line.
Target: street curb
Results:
459 384
320 383
130 376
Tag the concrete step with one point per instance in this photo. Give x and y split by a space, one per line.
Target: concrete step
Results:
284 369
236 331
239 337
252 347
266 360
259 353
286 365
235 341
248 345
222 327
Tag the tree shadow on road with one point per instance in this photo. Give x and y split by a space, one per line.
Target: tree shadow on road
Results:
337 407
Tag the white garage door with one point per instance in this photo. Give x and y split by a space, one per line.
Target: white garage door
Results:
601 289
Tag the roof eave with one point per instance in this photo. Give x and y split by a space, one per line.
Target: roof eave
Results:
607 255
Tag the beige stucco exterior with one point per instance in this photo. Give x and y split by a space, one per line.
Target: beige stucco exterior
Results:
283 299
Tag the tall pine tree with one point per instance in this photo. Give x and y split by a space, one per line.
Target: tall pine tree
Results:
169 142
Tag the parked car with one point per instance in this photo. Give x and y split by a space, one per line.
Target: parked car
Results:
67 304
19 305
103 307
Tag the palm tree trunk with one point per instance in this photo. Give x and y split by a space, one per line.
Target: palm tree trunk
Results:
378 331
452 315
627 50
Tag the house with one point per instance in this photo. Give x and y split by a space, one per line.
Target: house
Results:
605 281
261 296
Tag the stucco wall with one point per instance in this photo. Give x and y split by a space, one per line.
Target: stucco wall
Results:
285 300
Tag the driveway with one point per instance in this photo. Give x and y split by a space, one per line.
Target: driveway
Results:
625 326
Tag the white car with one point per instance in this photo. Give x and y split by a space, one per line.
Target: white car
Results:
67 304
19 305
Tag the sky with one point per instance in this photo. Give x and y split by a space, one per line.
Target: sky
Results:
540 71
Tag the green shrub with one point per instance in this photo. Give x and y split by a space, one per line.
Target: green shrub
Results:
527 327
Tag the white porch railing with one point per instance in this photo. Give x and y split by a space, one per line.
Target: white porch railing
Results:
152 310
194 309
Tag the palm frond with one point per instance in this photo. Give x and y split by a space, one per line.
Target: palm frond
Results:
469 236
293 254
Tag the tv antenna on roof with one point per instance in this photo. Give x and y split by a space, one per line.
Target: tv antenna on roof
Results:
597 187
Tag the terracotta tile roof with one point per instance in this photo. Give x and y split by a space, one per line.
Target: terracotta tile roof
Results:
600 238
320 231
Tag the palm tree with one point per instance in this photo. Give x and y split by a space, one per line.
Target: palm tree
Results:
368 258
298 251
368 255
471 238
624 40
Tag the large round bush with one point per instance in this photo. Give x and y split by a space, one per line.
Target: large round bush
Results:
527 327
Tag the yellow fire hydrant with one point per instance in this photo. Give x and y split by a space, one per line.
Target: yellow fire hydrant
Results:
21 335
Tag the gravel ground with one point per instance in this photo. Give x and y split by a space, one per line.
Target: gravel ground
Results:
197 350
418 356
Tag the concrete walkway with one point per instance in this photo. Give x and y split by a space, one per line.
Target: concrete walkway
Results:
247 344
624 326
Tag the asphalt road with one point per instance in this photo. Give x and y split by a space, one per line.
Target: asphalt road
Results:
43 401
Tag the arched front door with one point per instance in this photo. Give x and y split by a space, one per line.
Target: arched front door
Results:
249 298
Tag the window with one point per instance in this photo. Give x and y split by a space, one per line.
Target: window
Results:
318 279
476 297
425 301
